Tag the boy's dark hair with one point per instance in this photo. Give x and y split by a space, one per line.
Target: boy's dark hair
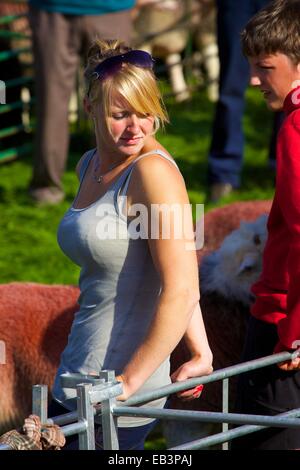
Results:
275 28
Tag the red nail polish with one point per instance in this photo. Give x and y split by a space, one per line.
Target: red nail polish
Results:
199 388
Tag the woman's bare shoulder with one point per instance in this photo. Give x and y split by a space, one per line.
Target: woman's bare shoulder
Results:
152 145
156 178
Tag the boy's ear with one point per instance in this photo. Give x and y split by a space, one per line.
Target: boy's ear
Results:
296 84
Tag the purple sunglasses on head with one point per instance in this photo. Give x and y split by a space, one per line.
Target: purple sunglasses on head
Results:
113 64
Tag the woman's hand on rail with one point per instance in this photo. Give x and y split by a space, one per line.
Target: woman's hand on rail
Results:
195 367
128 389
125 394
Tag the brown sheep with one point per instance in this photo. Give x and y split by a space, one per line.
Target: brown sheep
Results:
34 323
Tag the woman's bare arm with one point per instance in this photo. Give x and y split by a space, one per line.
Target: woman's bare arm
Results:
156 181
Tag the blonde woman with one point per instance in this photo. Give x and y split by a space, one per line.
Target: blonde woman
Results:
139 289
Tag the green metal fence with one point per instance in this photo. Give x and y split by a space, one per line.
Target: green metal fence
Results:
16 73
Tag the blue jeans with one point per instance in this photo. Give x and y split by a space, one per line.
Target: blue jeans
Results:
226 153
129 438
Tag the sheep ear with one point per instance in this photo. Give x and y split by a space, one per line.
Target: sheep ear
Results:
248 263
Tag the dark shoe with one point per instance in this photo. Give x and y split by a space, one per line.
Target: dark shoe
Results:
219 190
44 196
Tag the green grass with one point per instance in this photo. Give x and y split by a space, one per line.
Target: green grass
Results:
28 247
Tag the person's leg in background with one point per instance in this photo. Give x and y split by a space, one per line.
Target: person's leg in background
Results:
117 25
55 45
226 151
225 158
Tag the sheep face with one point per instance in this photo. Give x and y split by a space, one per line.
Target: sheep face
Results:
237 264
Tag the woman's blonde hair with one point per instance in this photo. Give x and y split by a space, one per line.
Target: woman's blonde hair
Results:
137 85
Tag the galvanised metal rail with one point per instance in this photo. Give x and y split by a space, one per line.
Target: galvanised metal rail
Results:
283 420
91 391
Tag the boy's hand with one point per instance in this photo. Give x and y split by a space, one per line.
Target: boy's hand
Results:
294 364
290 365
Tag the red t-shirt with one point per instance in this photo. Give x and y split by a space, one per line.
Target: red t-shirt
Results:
278 289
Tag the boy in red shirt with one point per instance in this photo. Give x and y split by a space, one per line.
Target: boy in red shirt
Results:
271 41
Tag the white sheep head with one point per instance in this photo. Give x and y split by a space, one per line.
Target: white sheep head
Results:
236 265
